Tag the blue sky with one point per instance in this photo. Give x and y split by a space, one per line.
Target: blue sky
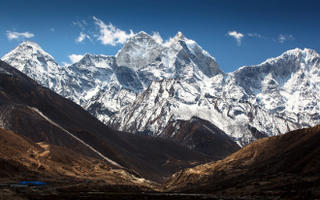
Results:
235 32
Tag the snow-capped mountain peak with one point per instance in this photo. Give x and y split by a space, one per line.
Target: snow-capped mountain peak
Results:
299 52
140 35
300 55
175 41
31 46
287 84
39 65
141 39
29 51
179 36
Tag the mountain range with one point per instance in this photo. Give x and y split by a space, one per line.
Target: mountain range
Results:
148 86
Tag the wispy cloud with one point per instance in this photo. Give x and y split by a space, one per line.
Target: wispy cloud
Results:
82 37
75 57
19 36
81 24
237 36
256 35
111 35
285 37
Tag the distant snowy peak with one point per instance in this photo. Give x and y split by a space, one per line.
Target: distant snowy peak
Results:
30 51
281 68
304 56
31 59
29 47
288 84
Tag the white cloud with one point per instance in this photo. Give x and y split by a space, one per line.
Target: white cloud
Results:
111 35
18 36
82 37
75 57
236 35
284 37
157 37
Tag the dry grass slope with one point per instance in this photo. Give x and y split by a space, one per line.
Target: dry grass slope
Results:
287 166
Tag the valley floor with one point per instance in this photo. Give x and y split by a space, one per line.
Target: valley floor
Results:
39 194
96 190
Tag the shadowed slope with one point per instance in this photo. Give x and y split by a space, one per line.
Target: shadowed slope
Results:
202 136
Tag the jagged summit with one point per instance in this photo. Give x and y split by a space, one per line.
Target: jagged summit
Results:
141 34
139 38
298 51
29 58
29 48
288 62
179 36
30 43
177 40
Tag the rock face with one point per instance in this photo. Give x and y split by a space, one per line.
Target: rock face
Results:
147 85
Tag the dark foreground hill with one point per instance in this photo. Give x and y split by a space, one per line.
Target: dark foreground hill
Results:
286 166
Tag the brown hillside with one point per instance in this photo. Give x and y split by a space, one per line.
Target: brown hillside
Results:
285 166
